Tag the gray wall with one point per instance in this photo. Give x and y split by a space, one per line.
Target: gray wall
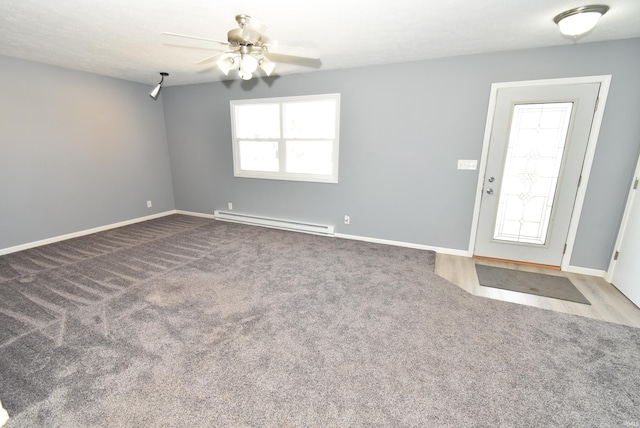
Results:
77 151
403 127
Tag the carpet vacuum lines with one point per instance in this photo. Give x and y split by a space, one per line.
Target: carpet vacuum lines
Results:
219 324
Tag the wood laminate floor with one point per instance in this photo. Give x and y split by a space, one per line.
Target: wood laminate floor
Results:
607 303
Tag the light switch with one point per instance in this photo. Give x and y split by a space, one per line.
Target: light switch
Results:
467 164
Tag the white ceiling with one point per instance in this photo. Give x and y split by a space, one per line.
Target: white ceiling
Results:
121 38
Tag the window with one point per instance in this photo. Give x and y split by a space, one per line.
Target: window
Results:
292 138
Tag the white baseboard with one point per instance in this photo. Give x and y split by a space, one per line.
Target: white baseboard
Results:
194 214
47 241
450 251
441 250
586 271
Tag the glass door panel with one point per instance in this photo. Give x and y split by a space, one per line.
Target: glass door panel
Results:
535 149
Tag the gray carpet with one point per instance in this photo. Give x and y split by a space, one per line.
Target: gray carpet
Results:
557 287
183 321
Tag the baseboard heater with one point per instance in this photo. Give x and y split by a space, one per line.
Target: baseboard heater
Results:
296 226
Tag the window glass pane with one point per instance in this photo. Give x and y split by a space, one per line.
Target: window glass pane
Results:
257 121
259 156
310 157
307 152
310 119
532 167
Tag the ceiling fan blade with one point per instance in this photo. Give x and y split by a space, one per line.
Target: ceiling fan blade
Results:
211 58
295 51
296 60
197 48
195 38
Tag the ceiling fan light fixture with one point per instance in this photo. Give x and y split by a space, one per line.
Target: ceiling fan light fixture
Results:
267 66
244 75
580 20
225 64
248 63
246 49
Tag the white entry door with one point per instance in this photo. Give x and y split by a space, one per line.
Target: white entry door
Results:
625 266
538 141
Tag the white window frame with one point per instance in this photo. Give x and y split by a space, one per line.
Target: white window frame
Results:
282 174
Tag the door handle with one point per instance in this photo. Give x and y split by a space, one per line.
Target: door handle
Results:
489 191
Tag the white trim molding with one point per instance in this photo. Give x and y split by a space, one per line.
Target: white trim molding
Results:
441 250
585 271
195 214
624 222
78 234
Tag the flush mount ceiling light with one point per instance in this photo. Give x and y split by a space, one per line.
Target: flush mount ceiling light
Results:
580 20
156 91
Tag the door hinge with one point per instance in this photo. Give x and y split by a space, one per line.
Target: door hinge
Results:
597 102
579 181
564 250
615 256
635 185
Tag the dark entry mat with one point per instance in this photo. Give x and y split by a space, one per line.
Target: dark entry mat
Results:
557 287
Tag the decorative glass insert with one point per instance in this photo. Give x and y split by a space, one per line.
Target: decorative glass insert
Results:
532 167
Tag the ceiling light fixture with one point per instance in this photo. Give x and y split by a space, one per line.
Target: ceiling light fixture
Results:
225 64
580 20
156 91
247 49
267 66
248 63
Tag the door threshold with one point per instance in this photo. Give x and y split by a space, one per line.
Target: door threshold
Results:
517 262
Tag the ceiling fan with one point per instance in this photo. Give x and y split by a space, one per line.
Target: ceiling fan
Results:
247 49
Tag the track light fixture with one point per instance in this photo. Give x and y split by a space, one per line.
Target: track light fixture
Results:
580 20
156 91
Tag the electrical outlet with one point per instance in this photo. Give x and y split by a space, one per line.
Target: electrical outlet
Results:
347 219
149 204
230 205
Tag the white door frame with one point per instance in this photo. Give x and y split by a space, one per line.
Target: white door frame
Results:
623 224
605 82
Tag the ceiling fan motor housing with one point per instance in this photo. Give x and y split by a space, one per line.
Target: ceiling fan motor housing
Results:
243 36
